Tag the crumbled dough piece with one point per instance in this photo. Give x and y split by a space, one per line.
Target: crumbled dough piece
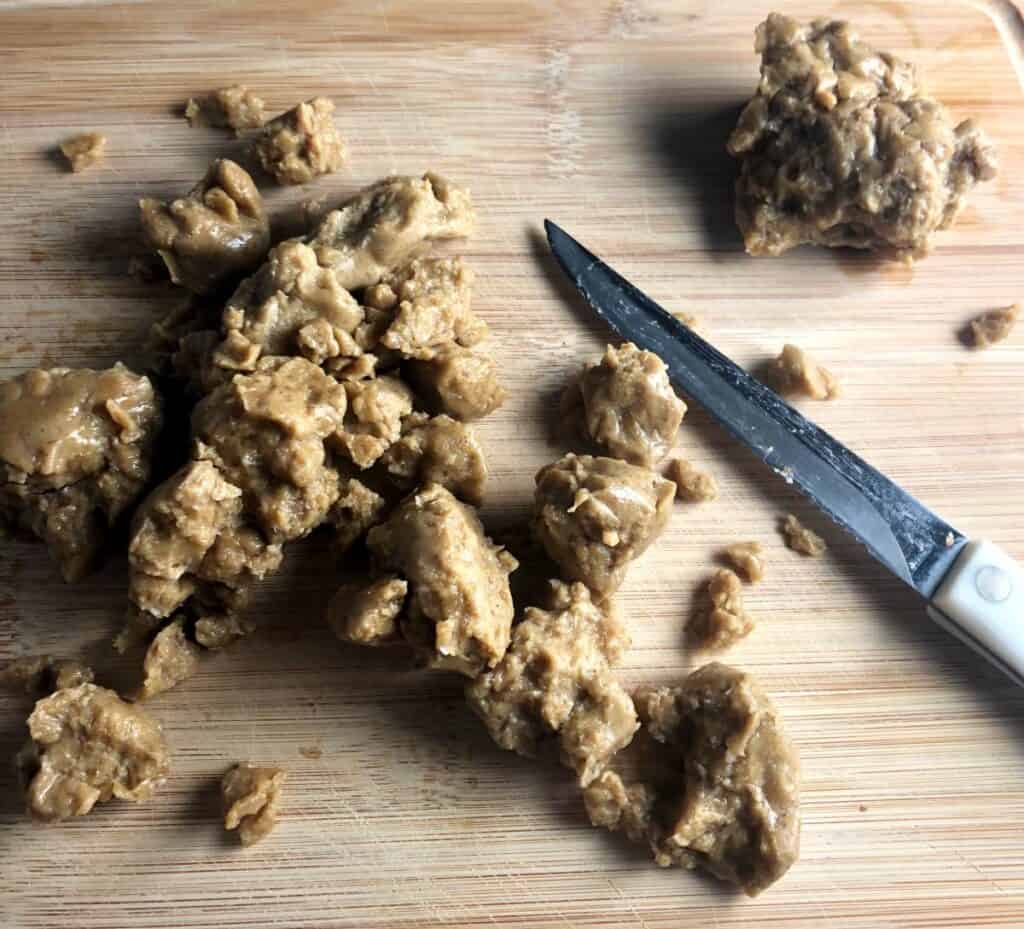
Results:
595 515
801 539
357 509
628 405
556 681
300 301
841 147
218 231
76 450
748 560
458 612
692 484
170 659
302 143
190 539
437 450
252 798
795 372
458 382
726 620
266 433
235 107
721 791
376 408
221 630
84 151
369 615
994 326
41 675
430 308
167 346
88 745
387 224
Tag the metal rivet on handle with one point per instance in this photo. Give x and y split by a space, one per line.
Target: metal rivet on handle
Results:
993 584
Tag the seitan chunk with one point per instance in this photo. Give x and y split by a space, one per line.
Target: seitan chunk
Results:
795 373
302 143
595 515
170 659
721 786
88 745
357 509
747 558
628 405
458 612
252 798
801 539
458 382
235 107
555 681
725 620
41 675
216 233
692 484
840 146
369 614
84 151
437 450
376 409
76 449
993 326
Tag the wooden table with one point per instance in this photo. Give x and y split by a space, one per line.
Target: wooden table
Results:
611 119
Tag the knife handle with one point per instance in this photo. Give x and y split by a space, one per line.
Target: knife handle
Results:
981 602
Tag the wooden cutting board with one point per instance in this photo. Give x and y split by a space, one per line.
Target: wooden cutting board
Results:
610 118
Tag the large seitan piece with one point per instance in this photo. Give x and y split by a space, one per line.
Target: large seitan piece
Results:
76 450
841 146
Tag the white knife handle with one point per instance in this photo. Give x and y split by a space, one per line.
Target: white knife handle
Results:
981 602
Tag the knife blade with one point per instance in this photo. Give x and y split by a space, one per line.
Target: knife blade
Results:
914 543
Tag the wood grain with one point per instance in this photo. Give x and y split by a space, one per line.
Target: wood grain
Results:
610 118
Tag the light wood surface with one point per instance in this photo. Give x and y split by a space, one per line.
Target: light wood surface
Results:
611 119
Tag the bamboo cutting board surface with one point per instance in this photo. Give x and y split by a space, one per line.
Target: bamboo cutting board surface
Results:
611 119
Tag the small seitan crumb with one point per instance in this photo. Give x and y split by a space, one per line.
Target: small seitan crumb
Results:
689 320
725 620
747 558
87 746
794 373
251 797
41 675
692 484
302 144
369 615
84 151
801 539
235 107
993 326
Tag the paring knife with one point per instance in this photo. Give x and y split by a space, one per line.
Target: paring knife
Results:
973 588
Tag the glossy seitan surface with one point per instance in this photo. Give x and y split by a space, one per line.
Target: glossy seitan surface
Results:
215 234
595 515
88 746
719 786
458 612
300 145
252 798
626 405
76 450
841 146
556 683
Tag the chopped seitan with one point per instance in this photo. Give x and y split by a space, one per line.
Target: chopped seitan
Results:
555 681
801 539
76 450
458 382
719 789
725 620
357 509
302 143
747 558
88 745
841 147
41 675
376 408
595 515
794 373
369 614
84 151
216 233
993 326
628 405
692 484
235 107
252 798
